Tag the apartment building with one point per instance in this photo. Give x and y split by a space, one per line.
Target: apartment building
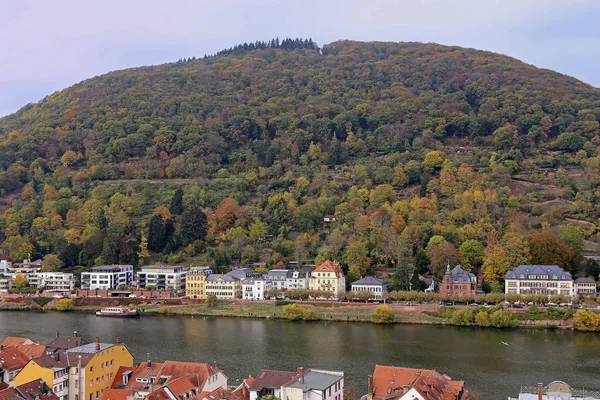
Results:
107 277
162 277
539 279
195 282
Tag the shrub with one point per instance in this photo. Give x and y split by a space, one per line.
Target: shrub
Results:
65 305
283 302
295 313
482 319
383 315
502 319
42 301
586 320
462 317
310 315
211 300
163 310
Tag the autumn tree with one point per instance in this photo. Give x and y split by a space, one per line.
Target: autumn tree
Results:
441 255
20 281
547 249
356 256
51 263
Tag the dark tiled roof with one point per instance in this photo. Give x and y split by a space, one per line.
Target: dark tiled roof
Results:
225 278
33 391
10 394
65 342
316 380
554 272
369 281
459 275
585 280
271 379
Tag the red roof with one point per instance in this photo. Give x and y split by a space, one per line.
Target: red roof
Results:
243 391
32 350
220 394
15 341
328 266
33 391
116 394
12 358
271 379
181 386
142 371
390 383
177 369
117 382
10 394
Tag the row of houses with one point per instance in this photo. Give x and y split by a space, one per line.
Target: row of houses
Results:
36 278
68 369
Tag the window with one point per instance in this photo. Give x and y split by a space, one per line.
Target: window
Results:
91 369
91 382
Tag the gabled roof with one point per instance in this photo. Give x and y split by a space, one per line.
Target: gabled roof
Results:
390 383
369 281
554 272
51 361
33 391
328 266
181 386
224 278
64 342
15 341
243 391
11 358
142 371
177 369
459 275
271 379
32 350
10 394
220 394
116 394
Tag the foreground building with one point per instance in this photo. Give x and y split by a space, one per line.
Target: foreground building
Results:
328 277
304 384
254 288
107 277
52 281
539 279
378 287
223 286
556 390
398 383
458 282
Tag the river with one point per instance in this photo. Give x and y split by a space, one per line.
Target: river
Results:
241 347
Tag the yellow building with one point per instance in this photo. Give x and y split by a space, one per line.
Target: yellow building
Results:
223 286
195 282
92 368
52 369
328 277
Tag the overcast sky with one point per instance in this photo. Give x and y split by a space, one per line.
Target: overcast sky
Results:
48 45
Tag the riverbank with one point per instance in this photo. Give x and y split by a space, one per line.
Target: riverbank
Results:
322 311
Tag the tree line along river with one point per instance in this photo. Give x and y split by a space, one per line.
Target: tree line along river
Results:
242 347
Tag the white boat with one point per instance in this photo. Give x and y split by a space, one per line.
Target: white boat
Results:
118 312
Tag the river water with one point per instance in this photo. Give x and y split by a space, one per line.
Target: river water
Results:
241 347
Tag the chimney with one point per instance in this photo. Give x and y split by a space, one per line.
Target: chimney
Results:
75 333
300 373
118 340
540 394
57 334
97 343
43 387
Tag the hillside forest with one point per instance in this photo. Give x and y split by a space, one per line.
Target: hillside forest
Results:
395 159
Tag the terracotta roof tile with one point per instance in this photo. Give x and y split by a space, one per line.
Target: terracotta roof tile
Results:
115 394
32 391
12 358
177 369
390 382
32 350
15 341
220 394
181 386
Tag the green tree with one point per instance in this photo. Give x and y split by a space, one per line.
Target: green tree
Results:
472 252
356 256
212 300
157 238
463 317
293 312
482 319
176 206
502 319
547 249
51 263
257 230
383 315
193 223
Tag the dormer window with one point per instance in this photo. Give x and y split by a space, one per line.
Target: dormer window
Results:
554 276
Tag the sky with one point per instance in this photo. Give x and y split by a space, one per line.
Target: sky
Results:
46 46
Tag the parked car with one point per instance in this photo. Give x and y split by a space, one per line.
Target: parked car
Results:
448 304
517 306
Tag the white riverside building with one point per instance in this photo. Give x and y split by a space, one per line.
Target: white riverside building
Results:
160 277
254 288
539 279
107 277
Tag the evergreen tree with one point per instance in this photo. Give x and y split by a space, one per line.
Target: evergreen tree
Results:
176 206
193 223
156 234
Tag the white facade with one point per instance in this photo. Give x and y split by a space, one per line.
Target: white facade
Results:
376 286
107 277
5 282
255 288
278 277
585 287
315 385
162 277
539 279
52 281
297 280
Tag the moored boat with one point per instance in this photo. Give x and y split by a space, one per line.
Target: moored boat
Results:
118 312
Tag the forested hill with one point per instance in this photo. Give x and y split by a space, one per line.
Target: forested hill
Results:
416 149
